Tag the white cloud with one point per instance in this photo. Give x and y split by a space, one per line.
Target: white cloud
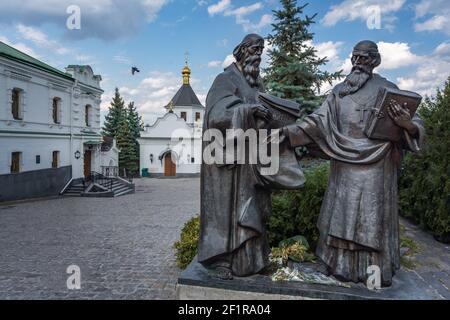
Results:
228 61
435 23
243 11
436 14
20 46
396 55
214 64
226 8
351 10
328 49
105 19
219 7
265 21
431 73
40 39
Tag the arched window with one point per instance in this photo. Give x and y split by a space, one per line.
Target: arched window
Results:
15 103
56 109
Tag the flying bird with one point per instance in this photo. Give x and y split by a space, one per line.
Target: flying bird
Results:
134 70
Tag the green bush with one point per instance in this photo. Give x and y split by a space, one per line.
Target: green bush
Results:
425 179
187 247
296 212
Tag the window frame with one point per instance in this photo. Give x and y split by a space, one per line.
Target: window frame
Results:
55 159
56 110
87 115
16 108
15 169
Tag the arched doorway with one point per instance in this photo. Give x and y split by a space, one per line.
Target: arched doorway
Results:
170 167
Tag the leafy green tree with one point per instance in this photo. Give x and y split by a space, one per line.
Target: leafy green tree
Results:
425 178
115 116
294 71
128 158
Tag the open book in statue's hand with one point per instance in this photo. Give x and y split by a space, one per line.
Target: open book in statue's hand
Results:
284 112
381 125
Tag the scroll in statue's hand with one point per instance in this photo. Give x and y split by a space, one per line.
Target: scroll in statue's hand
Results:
401 117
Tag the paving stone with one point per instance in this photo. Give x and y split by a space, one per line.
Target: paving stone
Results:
123 245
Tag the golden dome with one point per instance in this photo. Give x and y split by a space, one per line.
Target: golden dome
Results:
186 72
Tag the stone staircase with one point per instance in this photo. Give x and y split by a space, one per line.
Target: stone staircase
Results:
117 186
74 190
121 188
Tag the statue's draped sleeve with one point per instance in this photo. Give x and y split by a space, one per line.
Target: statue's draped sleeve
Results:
320 130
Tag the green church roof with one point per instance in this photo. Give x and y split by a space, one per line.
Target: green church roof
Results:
16 55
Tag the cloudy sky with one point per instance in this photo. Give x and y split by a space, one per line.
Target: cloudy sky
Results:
154 35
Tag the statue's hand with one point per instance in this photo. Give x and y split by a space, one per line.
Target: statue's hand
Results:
400 114
401 117
262 112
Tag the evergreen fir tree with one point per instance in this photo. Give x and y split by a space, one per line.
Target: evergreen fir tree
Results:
128 157
134 120
136 126
115 116
294 72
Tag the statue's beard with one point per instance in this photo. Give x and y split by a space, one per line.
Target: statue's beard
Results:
355 80
251 70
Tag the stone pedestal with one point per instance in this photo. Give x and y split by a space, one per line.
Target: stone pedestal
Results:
196 283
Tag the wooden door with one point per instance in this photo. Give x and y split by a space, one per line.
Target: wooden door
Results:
87 164
170 169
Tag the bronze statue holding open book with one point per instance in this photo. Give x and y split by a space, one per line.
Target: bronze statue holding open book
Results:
363 127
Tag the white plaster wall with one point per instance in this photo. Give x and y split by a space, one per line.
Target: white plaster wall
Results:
190 113
157 147
30 148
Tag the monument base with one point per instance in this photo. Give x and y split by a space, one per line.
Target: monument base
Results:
197 283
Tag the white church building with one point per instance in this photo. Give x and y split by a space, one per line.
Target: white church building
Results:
49 126
171 147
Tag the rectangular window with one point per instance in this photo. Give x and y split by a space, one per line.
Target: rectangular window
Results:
15 104
56 106
197 116
15 162
38 159
184 116
87 115
55 159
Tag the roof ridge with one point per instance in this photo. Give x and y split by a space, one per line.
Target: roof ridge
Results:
32 60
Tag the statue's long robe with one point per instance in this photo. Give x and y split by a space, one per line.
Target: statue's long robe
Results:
234 209
358 222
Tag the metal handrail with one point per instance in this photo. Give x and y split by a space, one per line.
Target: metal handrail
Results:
66 186
110 171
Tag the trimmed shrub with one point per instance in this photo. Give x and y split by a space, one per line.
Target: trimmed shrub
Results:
296 212
187 247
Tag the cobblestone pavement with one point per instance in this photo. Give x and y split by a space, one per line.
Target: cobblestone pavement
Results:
123 245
